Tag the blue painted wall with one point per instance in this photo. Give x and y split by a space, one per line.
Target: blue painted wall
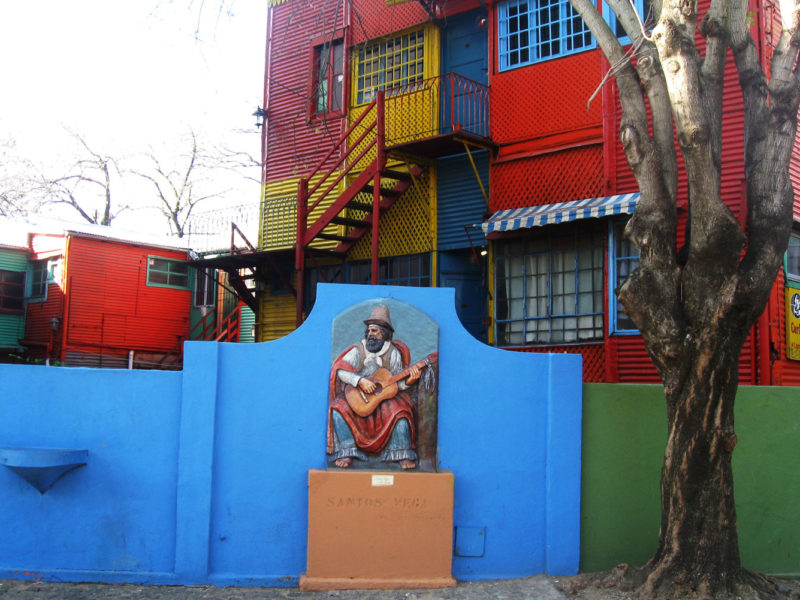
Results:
200 476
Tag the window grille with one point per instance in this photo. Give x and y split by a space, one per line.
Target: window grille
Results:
623 259
12 291
166 272
393 64
549 288
329 77
530 31
39 277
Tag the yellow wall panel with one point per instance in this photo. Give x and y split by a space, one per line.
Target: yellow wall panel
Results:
276 316
279 214
408 227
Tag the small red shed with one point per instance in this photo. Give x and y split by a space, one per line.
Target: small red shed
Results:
99 298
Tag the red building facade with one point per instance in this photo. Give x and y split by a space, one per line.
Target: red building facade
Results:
547 284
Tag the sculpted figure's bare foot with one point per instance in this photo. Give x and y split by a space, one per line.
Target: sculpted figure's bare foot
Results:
408 464
343 462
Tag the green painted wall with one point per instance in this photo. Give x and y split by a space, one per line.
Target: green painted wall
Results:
12 326
624 435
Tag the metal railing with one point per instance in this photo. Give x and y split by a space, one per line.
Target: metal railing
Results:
447 103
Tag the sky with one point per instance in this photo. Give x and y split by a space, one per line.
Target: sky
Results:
129 76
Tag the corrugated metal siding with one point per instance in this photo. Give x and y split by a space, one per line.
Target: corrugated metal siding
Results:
13 260
38 315
633 364
276 316
111 305
545 99
460 200
246 322
295 145
12 329
12 326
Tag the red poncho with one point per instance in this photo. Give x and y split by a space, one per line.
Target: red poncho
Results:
371 433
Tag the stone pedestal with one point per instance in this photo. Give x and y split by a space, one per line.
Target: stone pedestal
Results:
379 530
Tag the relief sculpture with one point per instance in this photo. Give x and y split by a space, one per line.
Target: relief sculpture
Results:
382 394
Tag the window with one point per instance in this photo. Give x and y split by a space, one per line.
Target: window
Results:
530 31
12 291
549 288
623 260
793 261
39 276
166 272
642 8
204 287
321 274
413 270
395 63
329 77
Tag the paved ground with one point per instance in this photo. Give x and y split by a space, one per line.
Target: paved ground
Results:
531 588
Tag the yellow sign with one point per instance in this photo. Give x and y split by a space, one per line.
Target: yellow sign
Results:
792 324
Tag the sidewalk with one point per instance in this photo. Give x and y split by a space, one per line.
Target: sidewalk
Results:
531 588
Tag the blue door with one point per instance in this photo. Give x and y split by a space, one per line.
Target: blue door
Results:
465 46
459 269
465 51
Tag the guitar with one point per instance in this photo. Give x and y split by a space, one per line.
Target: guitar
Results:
364 404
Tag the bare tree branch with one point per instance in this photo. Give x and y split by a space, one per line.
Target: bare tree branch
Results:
176 188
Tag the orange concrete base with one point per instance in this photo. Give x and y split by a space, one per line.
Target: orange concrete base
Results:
379 530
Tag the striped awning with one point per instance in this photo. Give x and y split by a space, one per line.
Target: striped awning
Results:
560 212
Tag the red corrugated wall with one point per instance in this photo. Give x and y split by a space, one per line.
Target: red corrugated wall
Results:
294 144
296 140
632 363
38 314
110 304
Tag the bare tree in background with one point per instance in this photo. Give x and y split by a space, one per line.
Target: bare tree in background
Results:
16 183
695 308
87 186
178 188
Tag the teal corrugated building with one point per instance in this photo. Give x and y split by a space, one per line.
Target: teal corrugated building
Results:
13 280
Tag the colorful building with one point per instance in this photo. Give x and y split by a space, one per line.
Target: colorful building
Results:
471 144
96 299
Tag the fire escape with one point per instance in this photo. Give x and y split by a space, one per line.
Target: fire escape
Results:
379 159
375 162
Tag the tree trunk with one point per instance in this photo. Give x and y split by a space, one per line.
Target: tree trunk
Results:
698 550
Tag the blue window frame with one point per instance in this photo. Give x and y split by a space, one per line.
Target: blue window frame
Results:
792 262
623 259
530 31
549 288
642 7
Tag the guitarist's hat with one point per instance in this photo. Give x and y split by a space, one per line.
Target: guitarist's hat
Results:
380 316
